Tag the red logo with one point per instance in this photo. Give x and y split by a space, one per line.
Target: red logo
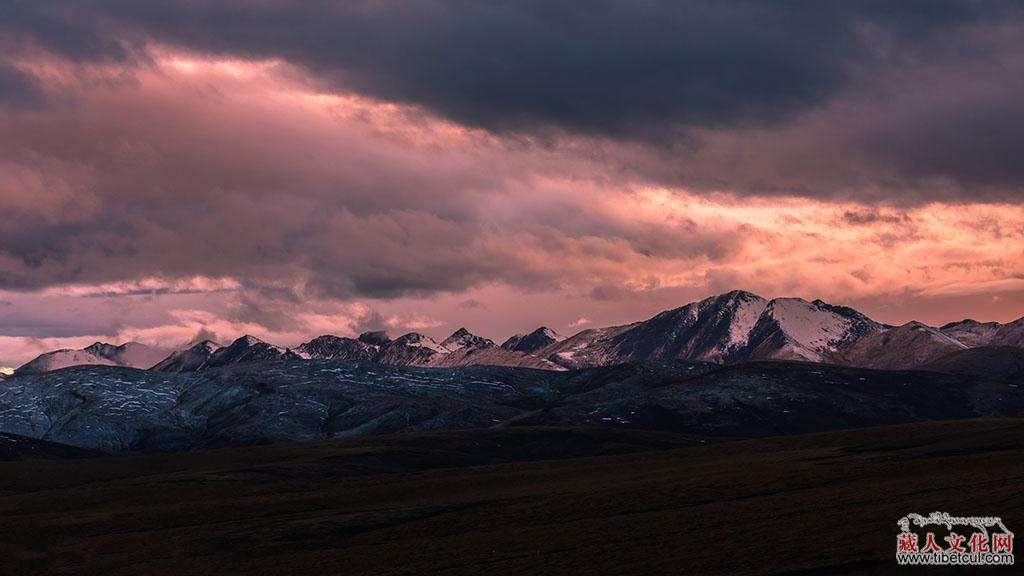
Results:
953 541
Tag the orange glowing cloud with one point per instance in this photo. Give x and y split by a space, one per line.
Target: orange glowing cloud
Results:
231 196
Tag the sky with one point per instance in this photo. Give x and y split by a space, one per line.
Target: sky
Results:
176 170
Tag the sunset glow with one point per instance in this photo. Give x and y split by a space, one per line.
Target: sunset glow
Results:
169 185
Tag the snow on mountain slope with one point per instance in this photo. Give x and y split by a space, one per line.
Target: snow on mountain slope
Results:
121 409
129 354
744 317
795 329
908 346
417 340
412 349
463 338
806 324
974 333
714 329
730 327
1011 334
247 349
492 356
587 348
188 360
62 359
329 347
532 342
136 355
971 332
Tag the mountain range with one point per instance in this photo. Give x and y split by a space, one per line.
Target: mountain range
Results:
129 354
116 409
729 328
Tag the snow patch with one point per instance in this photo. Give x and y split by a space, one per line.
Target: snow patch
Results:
807 325
745 317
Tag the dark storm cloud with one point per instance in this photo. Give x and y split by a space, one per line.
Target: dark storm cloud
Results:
160 180
948 131
874 216
204 334
633 69
204 174
73 30
268 312
969 133
18 88
371 321
610 293
60 318
903 101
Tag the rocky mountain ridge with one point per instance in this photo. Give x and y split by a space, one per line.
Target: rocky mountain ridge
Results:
129 355
115 409
738 326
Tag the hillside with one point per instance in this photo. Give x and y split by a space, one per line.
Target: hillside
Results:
119 409
503 502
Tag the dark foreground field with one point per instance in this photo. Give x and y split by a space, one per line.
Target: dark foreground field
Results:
512 502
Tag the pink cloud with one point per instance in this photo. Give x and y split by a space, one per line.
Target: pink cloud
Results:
233 196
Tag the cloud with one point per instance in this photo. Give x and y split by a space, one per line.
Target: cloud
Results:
285 168
610 292
204 334
614 68
369 320
579 323
272 188
869 216
18 88
904 103
412 321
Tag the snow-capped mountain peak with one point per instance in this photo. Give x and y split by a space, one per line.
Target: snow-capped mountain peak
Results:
103 349
415 339
548 332
808 323
330 347
745 309
528 343
208 346
974 333
463 338
188 360
733 327
130 354
793 328
910 345
247 340
247 349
